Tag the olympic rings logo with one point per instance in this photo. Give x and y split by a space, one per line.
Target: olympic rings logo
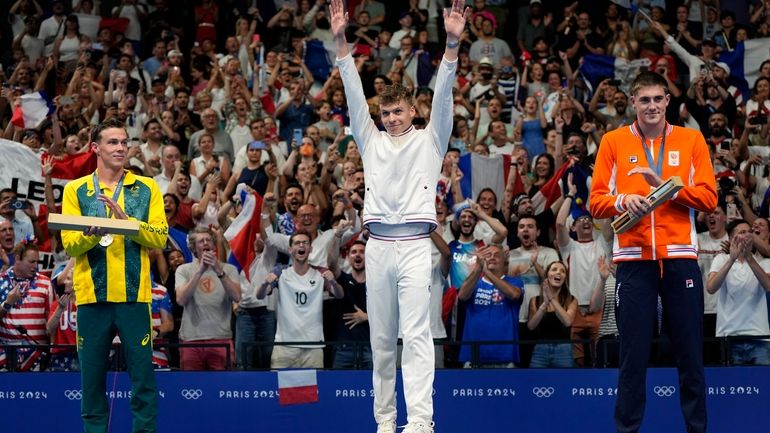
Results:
73 394
543 391
664 391
192 394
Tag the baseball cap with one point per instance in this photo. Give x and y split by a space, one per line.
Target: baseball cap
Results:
257 144
174 53
531 2
724 67
709 42
485 61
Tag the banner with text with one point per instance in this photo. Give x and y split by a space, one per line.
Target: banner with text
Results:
578 401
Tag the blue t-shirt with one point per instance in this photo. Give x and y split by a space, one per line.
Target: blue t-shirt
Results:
491 316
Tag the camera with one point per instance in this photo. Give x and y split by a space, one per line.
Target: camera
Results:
758 120
614 83
726 184
18 204
725 145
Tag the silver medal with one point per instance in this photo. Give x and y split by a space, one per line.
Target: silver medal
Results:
106 240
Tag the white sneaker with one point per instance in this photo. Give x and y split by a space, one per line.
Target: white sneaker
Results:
386 427
418 427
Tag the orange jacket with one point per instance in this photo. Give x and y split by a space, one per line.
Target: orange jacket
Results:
668 231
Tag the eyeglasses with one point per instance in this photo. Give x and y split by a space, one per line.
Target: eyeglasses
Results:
301 243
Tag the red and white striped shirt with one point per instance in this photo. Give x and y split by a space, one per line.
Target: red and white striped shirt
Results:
26 322
160 301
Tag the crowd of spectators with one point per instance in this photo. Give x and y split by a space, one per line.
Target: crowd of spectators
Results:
222 97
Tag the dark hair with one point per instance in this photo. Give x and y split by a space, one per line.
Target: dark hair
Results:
648 79
726 13
173 197
564 295
150 122
130 57
74 18
551 163
96 131
297 186
298 233
735 223
754 88
487 190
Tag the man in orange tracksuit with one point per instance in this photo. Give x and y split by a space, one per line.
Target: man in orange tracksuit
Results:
657 256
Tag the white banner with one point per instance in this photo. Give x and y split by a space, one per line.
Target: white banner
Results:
21 171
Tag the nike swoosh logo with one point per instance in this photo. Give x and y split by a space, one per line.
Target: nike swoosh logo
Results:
146 339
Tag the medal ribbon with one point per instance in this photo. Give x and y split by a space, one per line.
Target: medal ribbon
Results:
100 207
658 166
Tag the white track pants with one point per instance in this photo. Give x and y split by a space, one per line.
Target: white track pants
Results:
398 277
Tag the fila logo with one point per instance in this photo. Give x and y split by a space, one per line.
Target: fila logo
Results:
689 284
632 159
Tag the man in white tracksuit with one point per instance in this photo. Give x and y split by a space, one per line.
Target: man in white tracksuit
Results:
401 169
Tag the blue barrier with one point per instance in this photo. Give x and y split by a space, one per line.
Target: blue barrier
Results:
521 401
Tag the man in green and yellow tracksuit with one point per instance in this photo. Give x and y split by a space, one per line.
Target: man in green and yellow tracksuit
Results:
112 277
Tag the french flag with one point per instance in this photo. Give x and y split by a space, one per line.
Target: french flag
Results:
72 166
243 231
33 108
481 172
744 61
550 191
297 387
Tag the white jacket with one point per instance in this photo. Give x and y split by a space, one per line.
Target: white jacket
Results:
401 171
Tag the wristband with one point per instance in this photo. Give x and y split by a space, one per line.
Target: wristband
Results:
222 275
265 216
454 44
569 196
7 307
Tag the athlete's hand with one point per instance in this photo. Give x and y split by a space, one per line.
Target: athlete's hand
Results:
454 19
637 204
339 17
114 207
650 176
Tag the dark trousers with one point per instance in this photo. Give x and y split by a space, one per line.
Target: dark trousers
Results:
679 284
254 325
97 325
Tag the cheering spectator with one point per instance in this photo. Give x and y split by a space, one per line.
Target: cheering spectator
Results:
550 317
206 289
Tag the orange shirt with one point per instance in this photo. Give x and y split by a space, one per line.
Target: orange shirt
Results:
668 231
